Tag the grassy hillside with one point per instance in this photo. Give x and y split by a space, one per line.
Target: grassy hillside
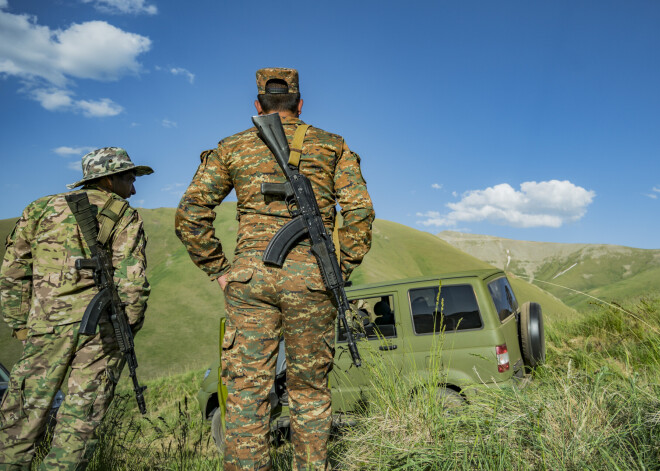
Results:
6 226
181 331
610 272
10 349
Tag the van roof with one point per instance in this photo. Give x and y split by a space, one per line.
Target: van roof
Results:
481 273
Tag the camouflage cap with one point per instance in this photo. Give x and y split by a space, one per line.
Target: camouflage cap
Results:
108 161
290 76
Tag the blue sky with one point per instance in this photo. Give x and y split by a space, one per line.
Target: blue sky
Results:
527 120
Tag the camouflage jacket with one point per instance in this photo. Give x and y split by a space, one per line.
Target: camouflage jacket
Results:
243 162
39 284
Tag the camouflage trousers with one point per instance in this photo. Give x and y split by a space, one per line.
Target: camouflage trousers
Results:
94 364
263 303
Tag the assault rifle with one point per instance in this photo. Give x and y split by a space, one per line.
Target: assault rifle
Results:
307 221
107 299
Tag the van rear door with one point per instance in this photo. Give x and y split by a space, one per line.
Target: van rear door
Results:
506 306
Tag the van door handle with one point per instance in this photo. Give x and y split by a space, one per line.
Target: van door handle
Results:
387 347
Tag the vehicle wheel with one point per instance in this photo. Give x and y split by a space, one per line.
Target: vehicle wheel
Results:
449 399
532 336
218 431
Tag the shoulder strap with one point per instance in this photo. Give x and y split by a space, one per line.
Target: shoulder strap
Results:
110 214
296 145
85 214
335 239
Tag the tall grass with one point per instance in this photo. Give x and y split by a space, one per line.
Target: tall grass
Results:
566 421
593 405
172 436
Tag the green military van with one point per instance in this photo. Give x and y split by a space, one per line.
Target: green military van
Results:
467 324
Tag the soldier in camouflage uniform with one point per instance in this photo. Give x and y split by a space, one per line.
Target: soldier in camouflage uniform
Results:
264 302
43 298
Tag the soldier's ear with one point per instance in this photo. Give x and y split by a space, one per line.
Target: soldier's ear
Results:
300 103
257 105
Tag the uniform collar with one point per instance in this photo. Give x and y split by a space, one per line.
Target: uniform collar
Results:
97 188
292 120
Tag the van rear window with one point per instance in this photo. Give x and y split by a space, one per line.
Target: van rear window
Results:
503 297
455 309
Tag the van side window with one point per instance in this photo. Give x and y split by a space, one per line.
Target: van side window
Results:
456 309
503 297
376 317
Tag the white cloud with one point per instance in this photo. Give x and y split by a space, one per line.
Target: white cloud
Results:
181 71
537 204
48 61
123 6
176 189
653 195
75 165
99 108
93 50
168 124
436 186
54 99
173 187
66 151
3 3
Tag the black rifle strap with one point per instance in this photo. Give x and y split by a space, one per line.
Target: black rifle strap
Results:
85 214
89 220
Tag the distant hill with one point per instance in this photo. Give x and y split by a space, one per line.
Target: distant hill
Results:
181 331
610 272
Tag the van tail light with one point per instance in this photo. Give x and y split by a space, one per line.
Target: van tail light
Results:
502 355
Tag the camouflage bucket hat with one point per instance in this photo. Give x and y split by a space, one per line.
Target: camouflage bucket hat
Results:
108 161
290 76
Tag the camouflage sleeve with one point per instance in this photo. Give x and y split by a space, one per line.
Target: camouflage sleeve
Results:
356 209
16 273
130 263
194 216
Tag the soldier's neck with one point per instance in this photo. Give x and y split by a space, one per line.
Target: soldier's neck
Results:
288 114
96 186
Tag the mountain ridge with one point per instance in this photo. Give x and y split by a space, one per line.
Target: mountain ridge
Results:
600 270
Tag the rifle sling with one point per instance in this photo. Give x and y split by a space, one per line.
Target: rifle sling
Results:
295 152
296 146
108 217
85 215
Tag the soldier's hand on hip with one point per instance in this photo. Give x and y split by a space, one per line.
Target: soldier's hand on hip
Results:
222 281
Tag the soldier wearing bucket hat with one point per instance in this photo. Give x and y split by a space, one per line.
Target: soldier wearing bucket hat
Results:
265 303
105 162
43 298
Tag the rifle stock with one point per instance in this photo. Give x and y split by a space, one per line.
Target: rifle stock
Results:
307 222
272 134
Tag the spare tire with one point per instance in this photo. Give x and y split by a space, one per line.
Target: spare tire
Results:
532 336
